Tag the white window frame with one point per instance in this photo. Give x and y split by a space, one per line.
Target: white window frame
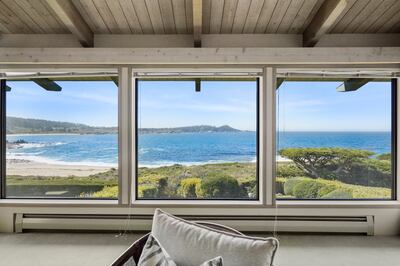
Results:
266 147
267 141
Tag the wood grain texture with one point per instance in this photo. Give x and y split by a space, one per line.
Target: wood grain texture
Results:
167 15
228 15
155 16
143 16
265 16
107 16
179 11
217 9
253 16
277 16
91 15
241 14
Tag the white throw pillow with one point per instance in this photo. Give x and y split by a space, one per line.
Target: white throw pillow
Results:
154 254
190 244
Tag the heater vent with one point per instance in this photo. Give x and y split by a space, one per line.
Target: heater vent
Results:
97 222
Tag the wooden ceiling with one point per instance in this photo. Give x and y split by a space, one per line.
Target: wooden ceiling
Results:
87 17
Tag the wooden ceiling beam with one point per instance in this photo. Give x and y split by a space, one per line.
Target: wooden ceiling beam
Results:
197 22
323 21
70 16
352 84
47 84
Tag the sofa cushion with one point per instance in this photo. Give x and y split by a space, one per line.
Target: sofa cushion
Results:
191 244
154 254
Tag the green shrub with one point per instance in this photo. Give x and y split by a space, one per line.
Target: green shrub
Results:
290 184
340 193
147 191
346 165
307 189
107 192
280 184
219 186
384 156
249 186
288 170
187 188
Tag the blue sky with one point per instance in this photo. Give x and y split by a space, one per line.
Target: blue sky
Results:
173 104
91 103
317 106
303 106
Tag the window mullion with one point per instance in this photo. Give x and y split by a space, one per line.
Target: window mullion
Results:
268 132
124 118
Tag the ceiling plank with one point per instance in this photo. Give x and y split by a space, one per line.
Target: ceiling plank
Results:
252 17
241 14
179 12
143 16
167 15
217 10
265 16
131 16
228 15
206 16
91 16
197 22
153 8
323 21
119 16
70 16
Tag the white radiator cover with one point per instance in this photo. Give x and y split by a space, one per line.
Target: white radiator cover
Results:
303 224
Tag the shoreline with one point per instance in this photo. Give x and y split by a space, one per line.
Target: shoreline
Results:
22 167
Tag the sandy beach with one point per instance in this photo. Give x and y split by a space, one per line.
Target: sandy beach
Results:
30 168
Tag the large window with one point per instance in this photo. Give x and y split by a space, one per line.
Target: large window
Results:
197 140
61 139
335 140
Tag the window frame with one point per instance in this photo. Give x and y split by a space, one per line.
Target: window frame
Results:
183 200
126 139
394 149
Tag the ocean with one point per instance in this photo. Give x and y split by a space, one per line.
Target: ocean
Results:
180 148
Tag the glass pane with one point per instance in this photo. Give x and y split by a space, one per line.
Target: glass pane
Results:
334 144
197 144
62 144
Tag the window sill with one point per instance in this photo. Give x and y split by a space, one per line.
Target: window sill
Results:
338 204
200 204
58 203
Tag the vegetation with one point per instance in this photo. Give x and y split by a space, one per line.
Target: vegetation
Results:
190 129
309 188
17 125
312 174
346 165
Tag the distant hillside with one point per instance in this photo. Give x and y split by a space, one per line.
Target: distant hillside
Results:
16 125
189 129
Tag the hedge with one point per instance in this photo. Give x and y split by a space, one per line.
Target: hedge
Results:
308 188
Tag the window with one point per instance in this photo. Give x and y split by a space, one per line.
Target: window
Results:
197 140
61 139
335 140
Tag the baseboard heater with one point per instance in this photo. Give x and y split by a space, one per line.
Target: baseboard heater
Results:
90 222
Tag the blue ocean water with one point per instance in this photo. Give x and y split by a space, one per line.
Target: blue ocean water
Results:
182 148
